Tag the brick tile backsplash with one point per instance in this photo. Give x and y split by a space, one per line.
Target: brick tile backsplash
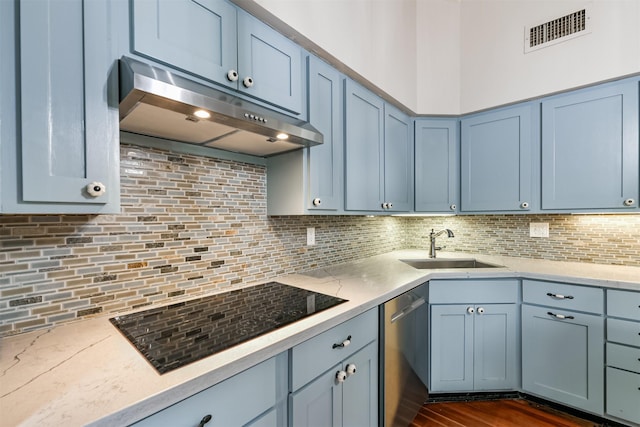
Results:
190 225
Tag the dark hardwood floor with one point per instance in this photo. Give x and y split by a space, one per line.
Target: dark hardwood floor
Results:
494 413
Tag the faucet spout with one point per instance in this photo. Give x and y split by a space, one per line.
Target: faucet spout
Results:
432 240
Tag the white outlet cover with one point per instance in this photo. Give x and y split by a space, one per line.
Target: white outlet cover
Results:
311 236
538 229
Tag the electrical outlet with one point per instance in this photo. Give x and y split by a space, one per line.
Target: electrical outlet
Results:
311 236
538 229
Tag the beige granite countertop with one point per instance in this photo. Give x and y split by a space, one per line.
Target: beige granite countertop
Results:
87 373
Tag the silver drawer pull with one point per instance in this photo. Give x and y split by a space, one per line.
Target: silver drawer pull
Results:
559 316
344 343
559 296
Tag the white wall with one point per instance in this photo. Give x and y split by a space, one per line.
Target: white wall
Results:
438 56
459 56
376 38
495 69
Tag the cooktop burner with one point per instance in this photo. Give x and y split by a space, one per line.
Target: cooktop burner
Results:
178 334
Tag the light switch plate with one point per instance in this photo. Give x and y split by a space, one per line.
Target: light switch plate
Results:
538 229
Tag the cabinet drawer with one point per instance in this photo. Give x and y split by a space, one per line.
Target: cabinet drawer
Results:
473 291
623 331
623 304
235 401
623 394
623 357
562 295
316 355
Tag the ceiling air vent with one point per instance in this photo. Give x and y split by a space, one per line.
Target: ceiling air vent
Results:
558 30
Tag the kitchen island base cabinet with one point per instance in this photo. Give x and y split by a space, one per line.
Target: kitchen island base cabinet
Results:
563 356
330 402
255 397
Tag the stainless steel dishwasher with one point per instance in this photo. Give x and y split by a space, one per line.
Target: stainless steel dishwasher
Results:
404 361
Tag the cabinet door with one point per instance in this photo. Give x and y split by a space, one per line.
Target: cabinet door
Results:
563 359
319 403
398 160
360 390
325 161
197 36
271 61
451 348
623 394
496 160
68 135
590 149
494 356
436 165
364 186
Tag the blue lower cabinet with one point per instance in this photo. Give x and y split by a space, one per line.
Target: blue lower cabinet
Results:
590 149
473 347
60 141
255 397
340 397
563 356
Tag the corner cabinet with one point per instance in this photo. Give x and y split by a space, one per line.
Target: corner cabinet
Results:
473 335
437 149
224 45
310 181
378 154
590 149
59 133
498 154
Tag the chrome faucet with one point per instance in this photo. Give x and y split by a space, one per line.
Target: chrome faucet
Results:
432 237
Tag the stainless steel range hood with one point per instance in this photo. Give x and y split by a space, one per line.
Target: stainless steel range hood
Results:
158 103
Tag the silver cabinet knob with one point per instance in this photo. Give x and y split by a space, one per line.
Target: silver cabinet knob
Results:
390 205
470 310
232 75
341 376
629 202
247 82
316 201
453 207
524 205
96 189
480 310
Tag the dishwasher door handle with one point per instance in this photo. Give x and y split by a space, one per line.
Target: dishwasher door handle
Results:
407 309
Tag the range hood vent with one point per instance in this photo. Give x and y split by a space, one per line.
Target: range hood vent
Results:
158 103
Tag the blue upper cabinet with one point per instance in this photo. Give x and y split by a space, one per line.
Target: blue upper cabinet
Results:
398 160
270 65
590 156
364 143
214 40
326 186
311 180
59 109
197 36
436 165
378 153
497 158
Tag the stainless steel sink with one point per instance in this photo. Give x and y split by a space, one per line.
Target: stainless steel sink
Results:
432 263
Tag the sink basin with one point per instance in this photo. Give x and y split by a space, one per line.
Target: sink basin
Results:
432 263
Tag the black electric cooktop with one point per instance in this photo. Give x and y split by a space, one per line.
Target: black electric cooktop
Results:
178 334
